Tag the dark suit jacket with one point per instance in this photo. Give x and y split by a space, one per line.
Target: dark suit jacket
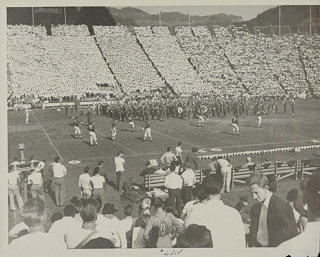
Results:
280 222
192 159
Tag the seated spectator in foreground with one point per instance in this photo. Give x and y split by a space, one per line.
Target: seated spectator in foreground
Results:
291 197
88 212
200 203
138 240
195 236
272 221
301 206
148 170
67 223
159 227
308 242
224 222
37 241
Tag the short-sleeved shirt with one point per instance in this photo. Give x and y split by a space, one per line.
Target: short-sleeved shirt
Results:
13 178
35 178
59 170
84 181
119 161
97 181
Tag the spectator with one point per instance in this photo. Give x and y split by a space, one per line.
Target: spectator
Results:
138 240
272 221
14 190
37 241
195 236
84 183
225 223
189 180
308 242
251 165
148 170
160 225
168 157
35 180
225 169
103 171
59 173
67 223
179 152
126 224
213 165
97 183
76 239
192 158
301 206
173 182
119 162
291 197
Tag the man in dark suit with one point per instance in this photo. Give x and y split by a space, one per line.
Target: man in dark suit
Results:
272 220
192 159
148 170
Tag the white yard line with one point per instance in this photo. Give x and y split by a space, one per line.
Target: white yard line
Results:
48 137
119 143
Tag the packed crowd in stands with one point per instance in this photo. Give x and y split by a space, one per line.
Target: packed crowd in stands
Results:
127 60
190 215
193 60
168 58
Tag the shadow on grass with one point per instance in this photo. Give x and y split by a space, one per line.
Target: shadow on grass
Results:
86 142
140 138
226 133
111 183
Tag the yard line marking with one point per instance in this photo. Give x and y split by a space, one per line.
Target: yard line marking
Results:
48 137
185 151
119 143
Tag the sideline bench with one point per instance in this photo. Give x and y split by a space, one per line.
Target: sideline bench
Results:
157 180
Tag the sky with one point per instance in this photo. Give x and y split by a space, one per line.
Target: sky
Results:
246 12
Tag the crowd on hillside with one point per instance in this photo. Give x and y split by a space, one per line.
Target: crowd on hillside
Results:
149 58
189 215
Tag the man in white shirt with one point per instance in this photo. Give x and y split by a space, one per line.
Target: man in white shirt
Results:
119 162
173 182
308 242
112 223
37 242
84 183
13 189
67 223
126 224
59 174
224 222
35 179
189 179
168 157
179 152
226 170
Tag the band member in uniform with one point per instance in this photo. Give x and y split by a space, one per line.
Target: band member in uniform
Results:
201 119
113 130
77 131
292 103
131 122
285 106
147 131
259 116
235 125
93 136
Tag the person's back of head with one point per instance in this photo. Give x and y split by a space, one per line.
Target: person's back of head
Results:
168 206
292 195
158 203
100 163
119 153
96 171
142 220
56 216
169 149
212 185
98 243
70 210
86 169
33 212
56 160
128 210
195 236
89 210
312 198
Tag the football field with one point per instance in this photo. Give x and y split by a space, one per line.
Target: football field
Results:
50 134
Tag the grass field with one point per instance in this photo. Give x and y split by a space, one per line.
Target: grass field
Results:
50 133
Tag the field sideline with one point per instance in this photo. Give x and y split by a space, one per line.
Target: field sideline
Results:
50 133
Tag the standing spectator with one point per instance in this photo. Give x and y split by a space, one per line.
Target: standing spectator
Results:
119 162
291 197
301 206
47 176
189 180
77 238
168 157
272 221
225 169
308 242
179 152
37 242
126 224
192 158
35 180
138 240
103 172
59 174
224 222
213 165
15 163
173 182
97 183
160 225
84 183
67 223
41 165
14 190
